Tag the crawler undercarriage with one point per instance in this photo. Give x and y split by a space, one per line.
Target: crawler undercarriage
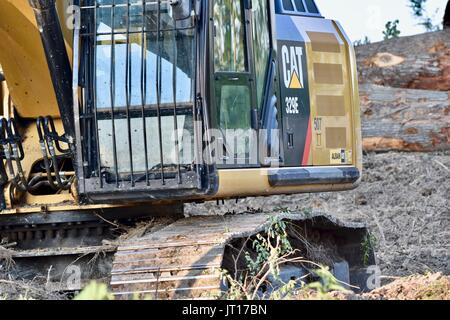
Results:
184 258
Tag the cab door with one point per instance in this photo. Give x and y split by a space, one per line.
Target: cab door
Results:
233 84
241 51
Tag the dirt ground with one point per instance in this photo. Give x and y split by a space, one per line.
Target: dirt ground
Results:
14 289
427 287
404 198
434 286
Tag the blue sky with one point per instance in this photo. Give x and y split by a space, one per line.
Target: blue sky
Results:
362 18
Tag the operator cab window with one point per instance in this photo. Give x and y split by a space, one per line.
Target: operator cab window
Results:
233 95
229 36
287 5
312 8
307 7
230 57
261 46
300 6
137 72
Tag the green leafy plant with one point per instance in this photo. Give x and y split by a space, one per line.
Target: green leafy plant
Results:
269 248
369 242
418 7
362 42
272 249
327 283
391 30
100 291
95 291
419 11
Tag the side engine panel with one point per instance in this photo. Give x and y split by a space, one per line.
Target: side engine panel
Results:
318 93
321 144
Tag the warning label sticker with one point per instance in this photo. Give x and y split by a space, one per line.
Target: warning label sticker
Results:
340 156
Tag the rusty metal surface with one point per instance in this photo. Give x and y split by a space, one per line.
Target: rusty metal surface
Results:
53 252
181 261
184 259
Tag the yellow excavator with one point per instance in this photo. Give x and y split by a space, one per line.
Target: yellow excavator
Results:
120 110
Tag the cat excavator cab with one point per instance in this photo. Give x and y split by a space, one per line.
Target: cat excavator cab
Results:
130 108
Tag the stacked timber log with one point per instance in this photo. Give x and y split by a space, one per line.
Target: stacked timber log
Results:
405 93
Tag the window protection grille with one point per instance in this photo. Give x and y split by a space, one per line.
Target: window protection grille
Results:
138 131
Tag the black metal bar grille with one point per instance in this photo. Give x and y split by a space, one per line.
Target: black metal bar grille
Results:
137 113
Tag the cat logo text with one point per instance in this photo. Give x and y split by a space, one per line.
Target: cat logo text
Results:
292 67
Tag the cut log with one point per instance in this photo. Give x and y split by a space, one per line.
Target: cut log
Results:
404 119
416 62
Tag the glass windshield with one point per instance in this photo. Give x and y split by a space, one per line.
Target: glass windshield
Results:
261 45
229 36
128 58
136 69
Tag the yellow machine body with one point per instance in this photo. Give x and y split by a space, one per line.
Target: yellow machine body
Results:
28 93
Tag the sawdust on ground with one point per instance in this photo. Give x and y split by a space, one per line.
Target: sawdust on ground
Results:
404 198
